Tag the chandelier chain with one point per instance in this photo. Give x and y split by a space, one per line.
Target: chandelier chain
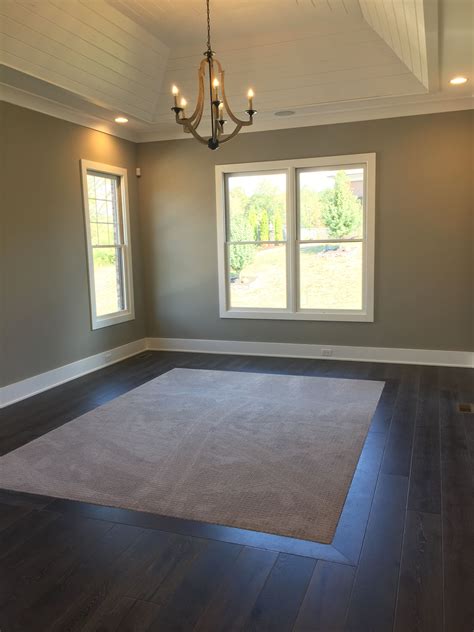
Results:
208 27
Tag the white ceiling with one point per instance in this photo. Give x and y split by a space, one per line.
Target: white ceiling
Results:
327 60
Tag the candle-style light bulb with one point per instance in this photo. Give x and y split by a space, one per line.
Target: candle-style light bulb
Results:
175 92
250 96
215 88
184 103
221 111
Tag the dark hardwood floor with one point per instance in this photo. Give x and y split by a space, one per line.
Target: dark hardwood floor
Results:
402 557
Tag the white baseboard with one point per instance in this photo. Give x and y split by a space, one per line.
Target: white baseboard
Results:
38 383
44 381
294 350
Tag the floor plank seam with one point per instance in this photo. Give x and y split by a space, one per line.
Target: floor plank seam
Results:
410 473
264 584
441 502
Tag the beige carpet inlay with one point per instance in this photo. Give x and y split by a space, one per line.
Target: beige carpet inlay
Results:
272 453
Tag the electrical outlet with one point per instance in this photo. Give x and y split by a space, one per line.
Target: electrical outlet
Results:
326 353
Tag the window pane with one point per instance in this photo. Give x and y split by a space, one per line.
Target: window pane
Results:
257 275
102 234
331 276
109 188
101 187
91 185
92 210
256 207
103 210
331 203
108 279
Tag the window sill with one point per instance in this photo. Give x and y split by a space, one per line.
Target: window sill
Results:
323 315
112 319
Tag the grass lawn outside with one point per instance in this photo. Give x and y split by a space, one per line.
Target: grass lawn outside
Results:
330 278
106 294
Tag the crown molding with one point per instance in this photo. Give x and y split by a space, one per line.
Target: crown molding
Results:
34 102
348 113
325 115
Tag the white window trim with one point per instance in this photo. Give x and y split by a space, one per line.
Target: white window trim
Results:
129 313
292 312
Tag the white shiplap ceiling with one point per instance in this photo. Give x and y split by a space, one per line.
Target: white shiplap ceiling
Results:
407 27
327 60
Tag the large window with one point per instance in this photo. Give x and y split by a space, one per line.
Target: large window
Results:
108 243
296 238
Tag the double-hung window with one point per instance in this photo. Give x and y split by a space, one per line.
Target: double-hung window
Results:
296 239
108 243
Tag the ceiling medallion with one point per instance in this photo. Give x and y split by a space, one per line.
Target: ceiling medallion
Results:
218 103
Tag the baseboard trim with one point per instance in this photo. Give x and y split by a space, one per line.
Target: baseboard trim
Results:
294 350
44 381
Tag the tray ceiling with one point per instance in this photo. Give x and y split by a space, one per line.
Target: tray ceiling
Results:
91 60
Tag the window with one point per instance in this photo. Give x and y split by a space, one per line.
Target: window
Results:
108 243
296 239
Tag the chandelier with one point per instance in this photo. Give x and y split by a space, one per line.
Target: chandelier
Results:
218 103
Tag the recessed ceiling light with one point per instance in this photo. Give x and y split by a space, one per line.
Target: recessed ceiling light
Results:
457 81
285 113
121 119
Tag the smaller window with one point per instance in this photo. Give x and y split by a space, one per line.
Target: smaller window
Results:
108 243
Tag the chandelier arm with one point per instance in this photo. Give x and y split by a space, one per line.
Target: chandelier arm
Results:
183 122
197 114
195 119
188 127
236 120
237 129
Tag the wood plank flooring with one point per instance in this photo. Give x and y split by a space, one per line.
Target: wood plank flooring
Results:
402 557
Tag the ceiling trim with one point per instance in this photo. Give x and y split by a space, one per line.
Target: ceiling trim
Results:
34 102
363 111
328 114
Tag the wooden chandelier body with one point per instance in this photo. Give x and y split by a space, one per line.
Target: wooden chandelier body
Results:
219 106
